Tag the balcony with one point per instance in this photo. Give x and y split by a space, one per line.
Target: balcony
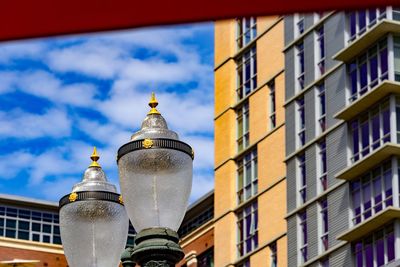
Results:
368 99
368 162
368 226
369 37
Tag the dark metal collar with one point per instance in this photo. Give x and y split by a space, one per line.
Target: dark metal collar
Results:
90 195
155 143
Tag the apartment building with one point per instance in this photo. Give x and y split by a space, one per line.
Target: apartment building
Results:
250 179
342 102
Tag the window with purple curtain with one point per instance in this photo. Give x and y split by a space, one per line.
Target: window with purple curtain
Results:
390 244
362 21
377 247
323 165
356 140
353 25
247 229
358 251
353 81
324 224
300 64
388 186
364 136
383 57
356 200
386 123
301 120
380 248
371 16
372 192
371 130
368 70
373 68
366 189
363 73
304 235
369 252
302 177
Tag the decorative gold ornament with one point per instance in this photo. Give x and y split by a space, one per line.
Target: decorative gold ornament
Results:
94 157
153 104
72 197
147 143
121 200
192 153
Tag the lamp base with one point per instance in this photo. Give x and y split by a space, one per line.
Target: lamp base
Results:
155 247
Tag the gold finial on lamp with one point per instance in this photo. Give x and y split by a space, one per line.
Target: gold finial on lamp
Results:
153 104
95 157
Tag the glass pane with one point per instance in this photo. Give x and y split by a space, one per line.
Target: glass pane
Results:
23 225
23 235
390 246
36 227
10 233
46 228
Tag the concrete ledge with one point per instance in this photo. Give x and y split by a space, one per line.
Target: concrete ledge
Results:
368 99
368 162
368 226
371 36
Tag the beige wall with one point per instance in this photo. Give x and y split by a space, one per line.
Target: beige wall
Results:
270 144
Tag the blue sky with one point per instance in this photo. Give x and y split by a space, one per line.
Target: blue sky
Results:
61 96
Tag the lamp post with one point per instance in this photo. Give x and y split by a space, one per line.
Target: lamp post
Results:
93 221
155 171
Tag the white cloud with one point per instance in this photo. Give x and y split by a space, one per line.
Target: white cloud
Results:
20 124
12 164
55 189
21 50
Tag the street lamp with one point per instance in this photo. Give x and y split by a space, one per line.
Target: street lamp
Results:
155 171
93 221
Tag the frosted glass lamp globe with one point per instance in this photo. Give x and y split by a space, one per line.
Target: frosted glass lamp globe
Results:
155 171
93 221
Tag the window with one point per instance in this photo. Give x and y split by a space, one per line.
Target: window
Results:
247 176
299 24
301 159
206 259
370 131
360 20
372 193
246 72
396 13
320 51
247 229
29 225
190 225
378 248
322 166
321 108
243 125
323 204
303 236
246 31
368 70
272 104
300 67
274 254
397 56
301 125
